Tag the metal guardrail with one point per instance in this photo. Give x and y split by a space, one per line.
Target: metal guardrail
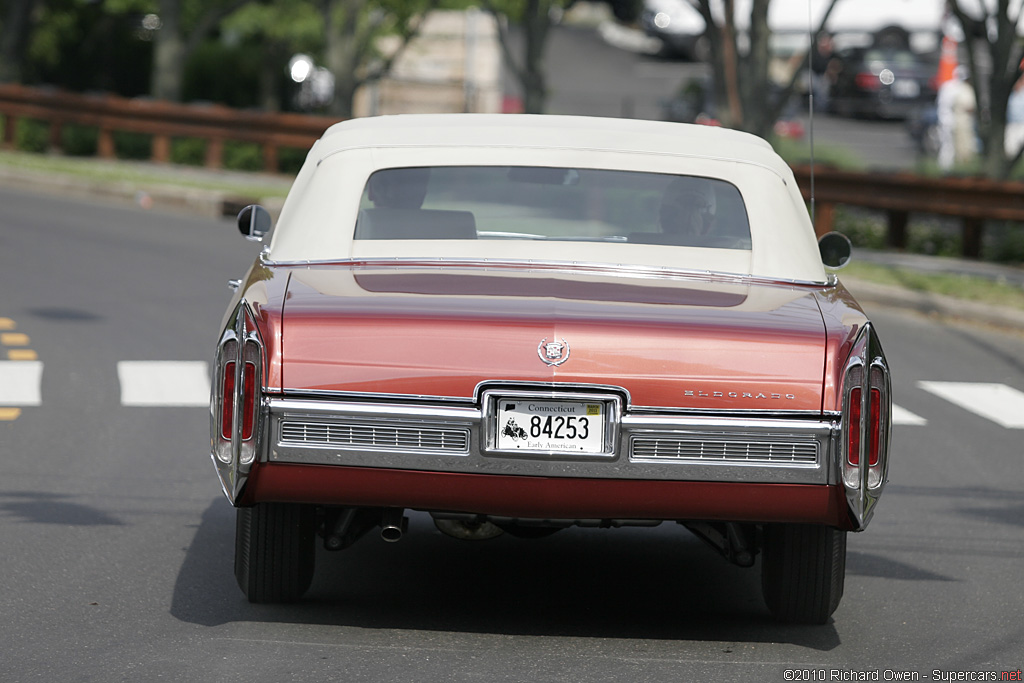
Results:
162 120
974 200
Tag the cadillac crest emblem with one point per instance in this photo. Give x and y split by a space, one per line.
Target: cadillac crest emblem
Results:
554 352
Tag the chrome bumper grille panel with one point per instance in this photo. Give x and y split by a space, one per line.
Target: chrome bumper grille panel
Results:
431 437
350 435
708 448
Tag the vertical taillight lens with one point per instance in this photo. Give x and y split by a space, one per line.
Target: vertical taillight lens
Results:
248 400
874 427
227 397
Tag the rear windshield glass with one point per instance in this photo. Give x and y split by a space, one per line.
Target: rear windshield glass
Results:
559 204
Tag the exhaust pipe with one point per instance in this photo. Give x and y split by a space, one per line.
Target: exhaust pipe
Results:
393 524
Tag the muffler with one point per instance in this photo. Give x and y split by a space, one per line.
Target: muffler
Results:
393 524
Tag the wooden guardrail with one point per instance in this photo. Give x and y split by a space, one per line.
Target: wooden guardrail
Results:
164 121
974 200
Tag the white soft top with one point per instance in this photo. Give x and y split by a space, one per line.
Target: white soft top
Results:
318 218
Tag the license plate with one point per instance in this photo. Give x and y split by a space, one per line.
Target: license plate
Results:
905 88
542 425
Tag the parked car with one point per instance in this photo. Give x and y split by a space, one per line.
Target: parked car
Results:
523 323
882 82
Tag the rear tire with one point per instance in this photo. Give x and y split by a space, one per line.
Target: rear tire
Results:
275 551
803 569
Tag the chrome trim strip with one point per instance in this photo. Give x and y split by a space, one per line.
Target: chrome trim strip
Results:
566 267
369 397
724 424
578 388
397 411
374 397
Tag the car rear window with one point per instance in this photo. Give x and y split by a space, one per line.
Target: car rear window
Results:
557 204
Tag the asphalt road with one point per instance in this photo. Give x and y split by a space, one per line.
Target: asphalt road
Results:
118 543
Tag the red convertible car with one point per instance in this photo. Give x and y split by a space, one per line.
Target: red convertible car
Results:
523 323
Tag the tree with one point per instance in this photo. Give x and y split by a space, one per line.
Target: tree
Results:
281 29
535 18
746 97
183 25
993 30
352 28
15 20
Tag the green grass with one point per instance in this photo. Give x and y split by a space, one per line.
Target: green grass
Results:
961 286
142 175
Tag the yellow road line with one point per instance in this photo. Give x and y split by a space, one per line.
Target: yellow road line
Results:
7 324
9 413
14 339
22 354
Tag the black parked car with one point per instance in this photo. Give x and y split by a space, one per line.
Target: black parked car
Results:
882 82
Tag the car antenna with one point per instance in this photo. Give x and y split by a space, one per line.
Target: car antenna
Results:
810 97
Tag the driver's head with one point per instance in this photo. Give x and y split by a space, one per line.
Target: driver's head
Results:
688 206
399 188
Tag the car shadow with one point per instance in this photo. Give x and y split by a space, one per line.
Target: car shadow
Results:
659 583
39 507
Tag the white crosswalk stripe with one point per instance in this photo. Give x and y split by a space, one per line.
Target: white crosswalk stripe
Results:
19 382
902 416
187 383
997 402
164 383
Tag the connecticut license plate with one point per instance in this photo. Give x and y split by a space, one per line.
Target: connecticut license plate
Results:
540 425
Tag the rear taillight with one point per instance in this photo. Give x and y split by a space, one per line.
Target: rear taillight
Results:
866 80
235 400
866 424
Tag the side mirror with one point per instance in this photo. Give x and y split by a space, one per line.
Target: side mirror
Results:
254 222
835 249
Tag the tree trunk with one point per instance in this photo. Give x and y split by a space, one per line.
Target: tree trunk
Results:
536 25
759 90
14 30
342 52
168 54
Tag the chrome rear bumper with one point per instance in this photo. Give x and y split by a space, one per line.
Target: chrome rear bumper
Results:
450 438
